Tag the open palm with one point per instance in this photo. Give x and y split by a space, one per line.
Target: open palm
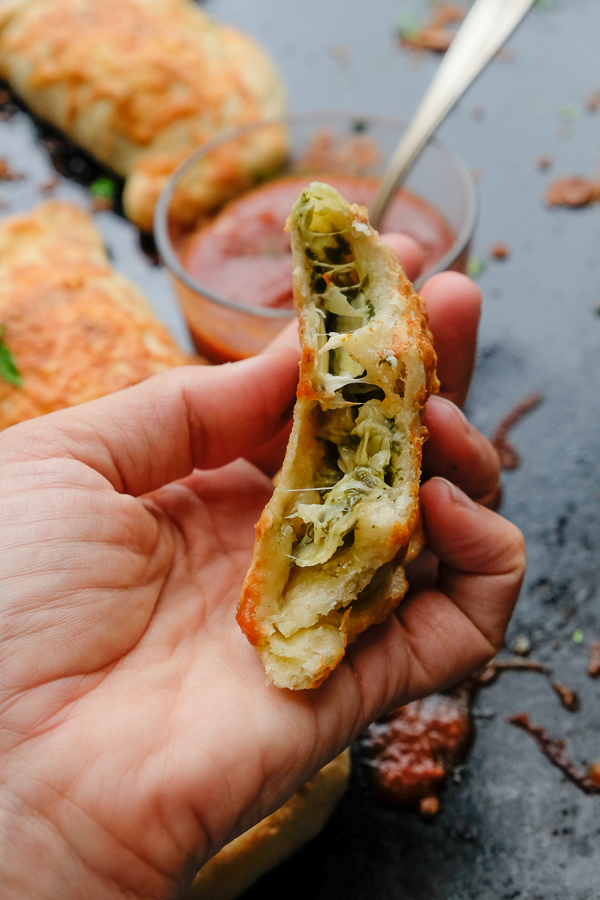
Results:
137 734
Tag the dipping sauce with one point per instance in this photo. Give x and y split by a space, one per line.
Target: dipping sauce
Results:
244 255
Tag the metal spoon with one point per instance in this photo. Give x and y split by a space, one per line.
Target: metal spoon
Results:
487 26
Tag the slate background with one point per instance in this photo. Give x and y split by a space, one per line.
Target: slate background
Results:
511 826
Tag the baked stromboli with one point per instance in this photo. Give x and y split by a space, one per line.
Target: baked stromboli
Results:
330 545
142 83
75 327
249 856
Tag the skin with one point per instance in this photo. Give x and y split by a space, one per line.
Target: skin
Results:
137 734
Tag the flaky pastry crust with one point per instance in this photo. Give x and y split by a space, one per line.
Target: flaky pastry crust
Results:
330 545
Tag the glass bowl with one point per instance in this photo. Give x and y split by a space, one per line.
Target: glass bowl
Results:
212 188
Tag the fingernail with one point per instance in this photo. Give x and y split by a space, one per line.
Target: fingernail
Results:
457 495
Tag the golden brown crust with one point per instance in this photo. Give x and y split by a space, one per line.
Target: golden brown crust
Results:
138 83
331 544
244 860
76 329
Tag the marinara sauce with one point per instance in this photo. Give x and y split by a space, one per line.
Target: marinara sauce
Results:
244 255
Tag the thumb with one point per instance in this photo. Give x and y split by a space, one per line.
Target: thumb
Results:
158 431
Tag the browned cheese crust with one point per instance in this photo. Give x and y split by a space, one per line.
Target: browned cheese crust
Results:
140 84
76 329
268 844
331 543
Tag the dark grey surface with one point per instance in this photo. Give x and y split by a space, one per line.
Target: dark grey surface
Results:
511 826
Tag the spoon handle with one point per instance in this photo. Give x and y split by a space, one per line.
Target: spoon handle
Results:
485 29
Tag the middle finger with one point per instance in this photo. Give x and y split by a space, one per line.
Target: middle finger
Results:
457 451
453 304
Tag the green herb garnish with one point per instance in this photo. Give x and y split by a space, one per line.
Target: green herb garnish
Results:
8 368
103 189
578 636
408 26
475 267
569 113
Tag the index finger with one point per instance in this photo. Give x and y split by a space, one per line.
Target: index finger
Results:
453 304
146 436
409 252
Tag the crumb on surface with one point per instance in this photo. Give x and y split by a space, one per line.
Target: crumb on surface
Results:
7 173
544 161
594 661
500 250
573 191
593 101
437 33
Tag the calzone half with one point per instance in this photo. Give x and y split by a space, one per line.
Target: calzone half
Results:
140 84
331 543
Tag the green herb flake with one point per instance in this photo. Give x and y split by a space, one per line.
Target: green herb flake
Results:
569 113
578 636
475 267
8 368
103 189
408 26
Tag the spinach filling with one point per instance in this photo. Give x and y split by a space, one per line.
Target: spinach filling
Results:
340 290
361 446
361 453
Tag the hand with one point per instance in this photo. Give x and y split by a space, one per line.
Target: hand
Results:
137 733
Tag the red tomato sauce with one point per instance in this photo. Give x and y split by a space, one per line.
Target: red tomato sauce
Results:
244 254
410 753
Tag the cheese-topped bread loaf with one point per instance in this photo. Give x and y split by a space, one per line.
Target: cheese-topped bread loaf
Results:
142 83
243 861
331 543
74 328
